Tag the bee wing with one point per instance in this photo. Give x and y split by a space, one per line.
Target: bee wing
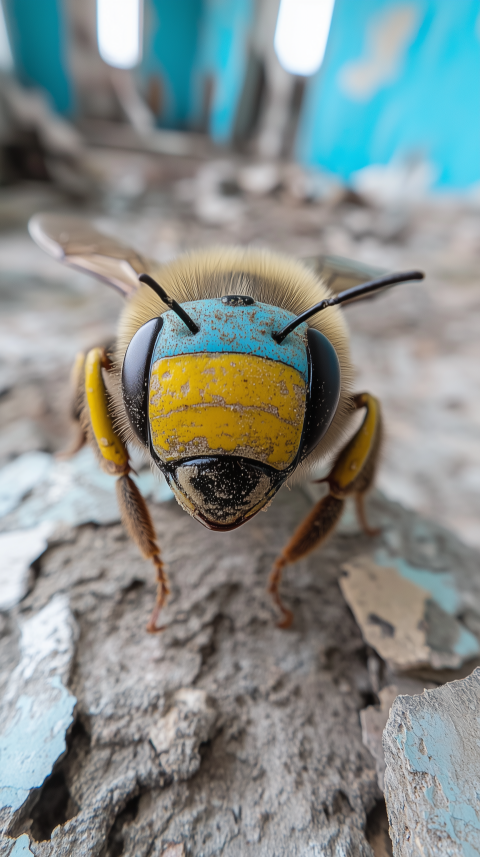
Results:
340 274
77 243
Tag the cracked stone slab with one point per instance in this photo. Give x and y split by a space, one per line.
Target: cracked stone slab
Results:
374 717
373 720
224 735
432 753
407 614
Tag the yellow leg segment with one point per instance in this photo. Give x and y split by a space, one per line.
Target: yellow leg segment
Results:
354 467
114 460
113 453
352 473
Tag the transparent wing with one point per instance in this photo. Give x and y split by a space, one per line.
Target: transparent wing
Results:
340 274
74 241
77 243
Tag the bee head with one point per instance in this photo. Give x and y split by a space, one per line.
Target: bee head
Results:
225 410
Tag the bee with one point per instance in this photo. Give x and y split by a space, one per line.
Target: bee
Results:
232 371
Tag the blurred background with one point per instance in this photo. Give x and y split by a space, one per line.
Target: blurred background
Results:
308 126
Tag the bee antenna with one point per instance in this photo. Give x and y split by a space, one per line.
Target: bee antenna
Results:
173 305
348 295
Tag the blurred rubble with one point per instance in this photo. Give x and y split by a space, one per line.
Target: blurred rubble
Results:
36 143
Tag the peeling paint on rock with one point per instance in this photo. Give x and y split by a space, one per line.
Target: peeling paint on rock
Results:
37 708
21 847
20 476
17 552
74 492
399 618
432 759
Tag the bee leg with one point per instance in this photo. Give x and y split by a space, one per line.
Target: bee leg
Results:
76 407
139 526
352 473
371 436
113 458
311 532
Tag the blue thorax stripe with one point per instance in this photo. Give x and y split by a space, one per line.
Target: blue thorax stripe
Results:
234 329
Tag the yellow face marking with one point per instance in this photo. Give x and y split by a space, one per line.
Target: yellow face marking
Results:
226 404
109 444
355 454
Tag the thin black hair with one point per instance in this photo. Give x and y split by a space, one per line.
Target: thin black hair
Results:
173 305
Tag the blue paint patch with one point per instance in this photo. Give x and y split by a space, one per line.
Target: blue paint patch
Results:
74 491
440 585
429 793
453 813
33 741
235 330
21 847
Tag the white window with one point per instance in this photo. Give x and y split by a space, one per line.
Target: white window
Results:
119 32
6 59
301 34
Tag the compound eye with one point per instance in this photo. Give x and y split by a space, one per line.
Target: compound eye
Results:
136 375
324 389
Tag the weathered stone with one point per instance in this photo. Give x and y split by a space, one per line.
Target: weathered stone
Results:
37 708
432 759
408 624
74 491
373 720
223 734
18 550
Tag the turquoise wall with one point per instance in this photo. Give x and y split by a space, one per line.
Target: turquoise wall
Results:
223 55
169 51
399 79
39 44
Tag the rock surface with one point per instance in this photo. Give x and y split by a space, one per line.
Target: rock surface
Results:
408 625
374 719
432 754
224 734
